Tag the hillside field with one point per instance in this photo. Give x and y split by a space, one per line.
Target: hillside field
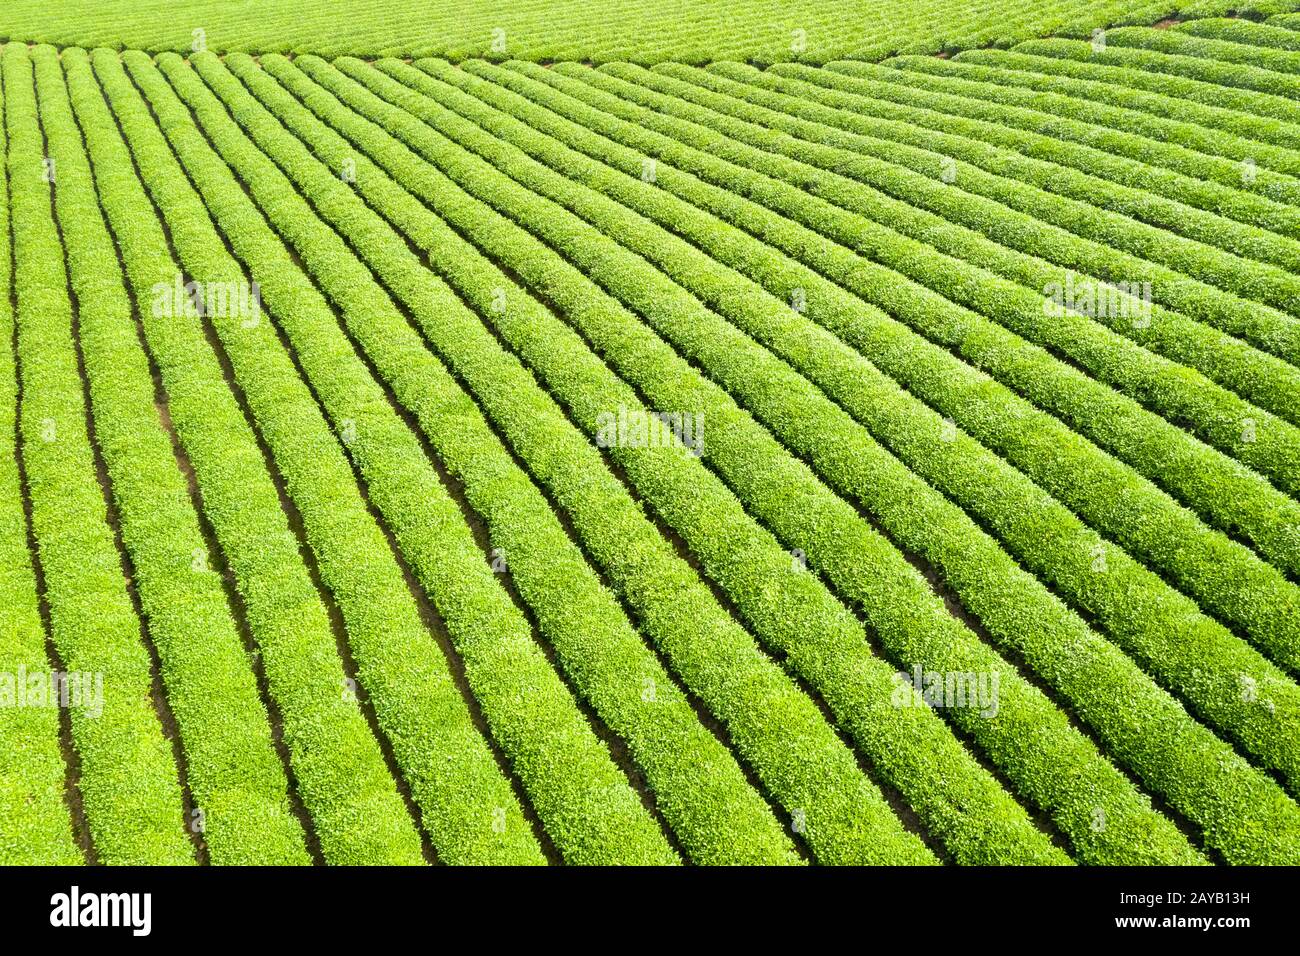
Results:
660 433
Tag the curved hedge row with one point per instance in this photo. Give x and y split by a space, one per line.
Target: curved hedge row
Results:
1133 603
1162 70
1263 116
1176 190
128 775
784 493
1020 248
788 609
696 782
1017 247
340 772
647 31
1000 593
677 609
1270 34
1254 595
35 824
1046 126
1205 45
1121 120
746 379
232 770
1272 143
479 815
1249 262
920 184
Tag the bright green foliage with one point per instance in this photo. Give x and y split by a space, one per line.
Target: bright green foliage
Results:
1262 116
128 780
624 701
1208 129
1271 34
982 574
593 814
1149 53
244 505
1214 43
785 606
357 813
1256 595
34 823
232 769
1172 191
1045 255
643 31
569 461
704 795
784 493
1162 385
